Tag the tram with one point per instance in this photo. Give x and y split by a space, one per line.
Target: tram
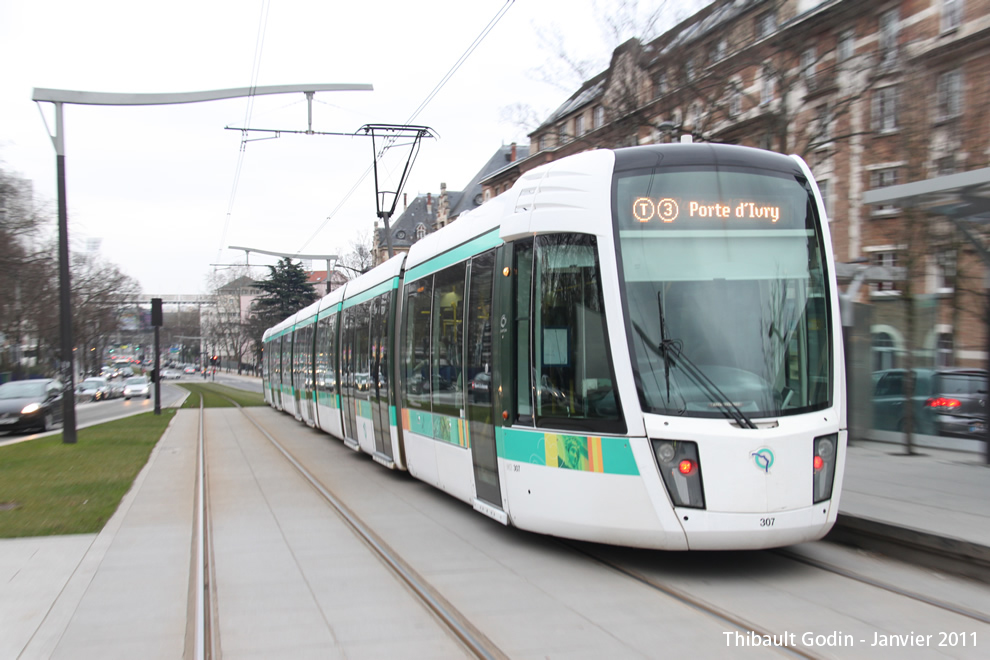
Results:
637 346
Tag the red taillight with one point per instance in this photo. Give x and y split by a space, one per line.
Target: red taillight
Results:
686 467
942 402
819 463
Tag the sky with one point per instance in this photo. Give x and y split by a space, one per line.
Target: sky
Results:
166 189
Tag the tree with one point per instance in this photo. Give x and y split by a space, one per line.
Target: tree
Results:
286 291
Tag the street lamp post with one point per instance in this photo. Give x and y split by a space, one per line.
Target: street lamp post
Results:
61 96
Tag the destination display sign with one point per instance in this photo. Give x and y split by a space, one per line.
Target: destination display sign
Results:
700 199
670 209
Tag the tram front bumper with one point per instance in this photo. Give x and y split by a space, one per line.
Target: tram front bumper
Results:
706 530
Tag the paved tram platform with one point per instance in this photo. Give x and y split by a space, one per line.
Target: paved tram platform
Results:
124 592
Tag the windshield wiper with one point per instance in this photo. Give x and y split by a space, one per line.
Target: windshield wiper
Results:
670 350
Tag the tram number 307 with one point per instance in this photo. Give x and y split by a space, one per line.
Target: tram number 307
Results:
766 522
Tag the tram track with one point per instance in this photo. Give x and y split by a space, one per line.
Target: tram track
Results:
879 584
692 588
456 623
683 596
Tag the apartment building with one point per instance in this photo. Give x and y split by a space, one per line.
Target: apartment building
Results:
870 94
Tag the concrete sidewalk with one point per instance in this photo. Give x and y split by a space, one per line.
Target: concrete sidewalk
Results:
66 596
934 502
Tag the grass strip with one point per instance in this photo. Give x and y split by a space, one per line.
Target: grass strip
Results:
219 396
49 488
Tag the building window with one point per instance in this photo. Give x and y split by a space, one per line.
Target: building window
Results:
543 142
881 179
846 47
599 116
721 48
808 60
945 271
766 85
689 69
948 95
579 125
766 23
884 352
943 350
420 231
660 85
945 165
887 259
885 110
951 14
561 134
888 37
735 101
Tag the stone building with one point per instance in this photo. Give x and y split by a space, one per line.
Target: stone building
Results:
870 94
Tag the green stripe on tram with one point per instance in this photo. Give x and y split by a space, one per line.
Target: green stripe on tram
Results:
373 292
456 255
568 451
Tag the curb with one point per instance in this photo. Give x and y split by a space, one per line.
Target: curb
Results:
941 553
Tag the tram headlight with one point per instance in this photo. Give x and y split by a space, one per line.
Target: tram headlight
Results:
680 470
823 466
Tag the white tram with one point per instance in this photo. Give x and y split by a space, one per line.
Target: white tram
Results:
639 347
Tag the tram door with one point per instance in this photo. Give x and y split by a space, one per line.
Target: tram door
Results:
481 423
378 386
347 336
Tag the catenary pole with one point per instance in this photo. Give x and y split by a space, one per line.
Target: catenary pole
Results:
59 97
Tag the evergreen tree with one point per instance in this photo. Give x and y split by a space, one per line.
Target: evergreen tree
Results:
286 292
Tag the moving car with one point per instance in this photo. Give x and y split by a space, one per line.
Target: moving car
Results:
136 386
30 404
95 388
948 401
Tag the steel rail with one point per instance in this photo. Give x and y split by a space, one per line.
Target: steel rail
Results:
474 640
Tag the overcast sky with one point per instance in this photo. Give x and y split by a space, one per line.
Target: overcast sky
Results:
157 184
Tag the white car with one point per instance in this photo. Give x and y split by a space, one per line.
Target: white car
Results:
137 386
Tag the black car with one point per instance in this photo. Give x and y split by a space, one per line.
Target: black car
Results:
30 404
947 401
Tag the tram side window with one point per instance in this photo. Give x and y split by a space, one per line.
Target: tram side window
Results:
287 347
479 330
362 346
575 383
331 349
322 355
380 375
416 379
522 295
447 388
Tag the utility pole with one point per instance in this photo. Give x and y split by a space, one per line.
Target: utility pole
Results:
61 96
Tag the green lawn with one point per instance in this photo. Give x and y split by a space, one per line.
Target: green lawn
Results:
219 396
49 488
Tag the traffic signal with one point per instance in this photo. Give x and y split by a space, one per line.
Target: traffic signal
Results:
154 375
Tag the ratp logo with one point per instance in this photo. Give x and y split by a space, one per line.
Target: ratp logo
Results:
763 458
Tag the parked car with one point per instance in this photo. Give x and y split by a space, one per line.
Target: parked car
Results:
137 386
949 401
30 404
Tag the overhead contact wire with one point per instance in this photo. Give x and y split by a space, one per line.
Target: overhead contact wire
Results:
422 106
259 46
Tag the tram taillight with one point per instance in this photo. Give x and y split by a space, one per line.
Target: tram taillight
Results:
681 472
824 466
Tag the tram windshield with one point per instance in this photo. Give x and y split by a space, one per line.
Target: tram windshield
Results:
723 272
